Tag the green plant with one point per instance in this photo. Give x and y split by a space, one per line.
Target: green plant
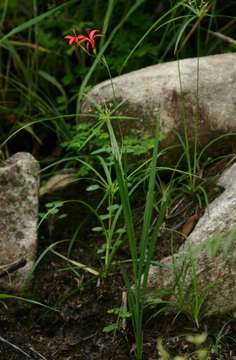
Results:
121 314
108 222
90 141
52 214
218 343
189 295
198 10
141 253
100 170
222 337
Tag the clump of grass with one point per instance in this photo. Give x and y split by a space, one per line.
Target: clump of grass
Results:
141 251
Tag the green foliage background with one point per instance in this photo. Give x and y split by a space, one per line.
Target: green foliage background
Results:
41 76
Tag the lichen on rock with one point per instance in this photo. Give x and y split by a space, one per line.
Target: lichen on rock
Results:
19 183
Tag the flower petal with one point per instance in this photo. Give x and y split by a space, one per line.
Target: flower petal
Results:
81 41
92 33
71 39
81 37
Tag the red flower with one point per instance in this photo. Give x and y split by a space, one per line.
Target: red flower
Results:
89 40
72 39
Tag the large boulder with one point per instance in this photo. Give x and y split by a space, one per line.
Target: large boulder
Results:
19 182
209 253
200 92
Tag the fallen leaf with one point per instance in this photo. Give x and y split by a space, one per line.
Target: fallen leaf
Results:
189 224
57 182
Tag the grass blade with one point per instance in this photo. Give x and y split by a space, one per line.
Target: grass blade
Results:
35 20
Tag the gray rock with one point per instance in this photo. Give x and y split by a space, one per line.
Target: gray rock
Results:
204 98
214 253
221 213
19 183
